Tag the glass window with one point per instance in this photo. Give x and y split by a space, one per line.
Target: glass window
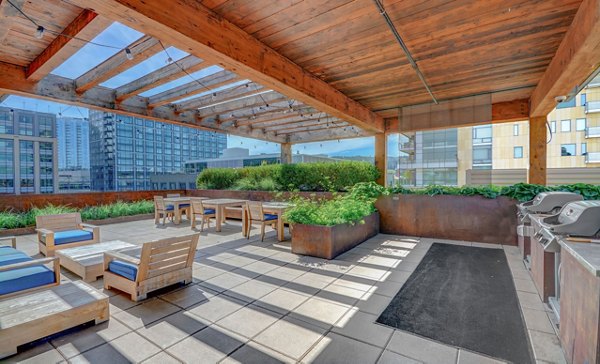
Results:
518 152
45 126
26 124
583 148
7 171
482 134
553 126
566 104
26 166
482 155
580 124
565 125
6 122
567 150
516 129
583 99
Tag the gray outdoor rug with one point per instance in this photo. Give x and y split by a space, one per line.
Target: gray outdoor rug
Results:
465 297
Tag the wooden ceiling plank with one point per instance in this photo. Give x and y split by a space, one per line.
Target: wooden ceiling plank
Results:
192 88
235 92
7 16
60 89
192 27
262 101
86 25
142 49
168 73
576 58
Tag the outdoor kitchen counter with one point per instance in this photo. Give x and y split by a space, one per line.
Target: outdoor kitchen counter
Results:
588 254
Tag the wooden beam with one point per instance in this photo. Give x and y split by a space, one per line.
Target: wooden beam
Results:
576 58
192 88
381 157
86 25
286 153
537 150
262 101
502 112
220 97
304 123
312 128
326 134
7 16
291 121
3 97
168 73
270 115
190 26
63 90
141 49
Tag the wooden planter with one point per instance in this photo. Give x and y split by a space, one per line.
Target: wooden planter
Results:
468 218
330 241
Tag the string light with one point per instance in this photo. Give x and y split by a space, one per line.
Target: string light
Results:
128 54
39 32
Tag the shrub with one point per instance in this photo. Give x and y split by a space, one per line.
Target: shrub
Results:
217 178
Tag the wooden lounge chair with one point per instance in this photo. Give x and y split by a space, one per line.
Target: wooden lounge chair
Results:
64 231
199 210
162 209
19 273
154 265
256 213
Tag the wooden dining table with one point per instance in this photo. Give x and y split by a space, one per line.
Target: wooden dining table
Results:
275 208
176 202
219 204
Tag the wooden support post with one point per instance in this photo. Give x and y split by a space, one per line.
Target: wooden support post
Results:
381 157
537 150
286 153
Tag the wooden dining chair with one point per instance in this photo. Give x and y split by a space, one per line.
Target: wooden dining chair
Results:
199 210
161 208
256 214
184 207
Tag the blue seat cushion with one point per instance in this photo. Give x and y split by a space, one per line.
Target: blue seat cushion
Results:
209 211
71 236
123 269
269 217
25 278
9 255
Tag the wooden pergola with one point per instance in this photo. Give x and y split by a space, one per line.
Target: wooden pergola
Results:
312 70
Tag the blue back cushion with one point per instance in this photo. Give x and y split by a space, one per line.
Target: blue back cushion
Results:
269 217
71 236
123 269
9 255
209 211
25 278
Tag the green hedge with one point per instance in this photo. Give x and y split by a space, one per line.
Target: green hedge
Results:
13 220
521 191
330 176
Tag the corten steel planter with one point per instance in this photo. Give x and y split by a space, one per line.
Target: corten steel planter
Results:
468 218
330 241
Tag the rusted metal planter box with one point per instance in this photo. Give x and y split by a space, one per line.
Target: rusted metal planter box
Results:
330 241
468 218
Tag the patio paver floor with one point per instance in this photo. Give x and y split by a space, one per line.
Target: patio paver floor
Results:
256 302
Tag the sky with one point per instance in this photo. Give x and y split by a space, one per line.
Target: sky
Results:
115 38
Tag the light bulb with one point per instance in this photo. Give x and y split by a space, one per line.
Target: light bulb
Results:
128 54
39 32
169 60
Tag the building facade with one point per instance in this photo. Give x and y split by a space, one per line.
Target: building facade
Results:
449 157
28 149
126 151
73 143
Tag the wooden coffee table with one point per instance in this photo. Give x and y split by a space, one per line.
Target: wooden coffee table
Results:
87 261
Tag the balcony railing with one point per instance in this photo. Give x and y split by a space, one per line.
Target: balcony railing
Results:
592 132
593 157
592 106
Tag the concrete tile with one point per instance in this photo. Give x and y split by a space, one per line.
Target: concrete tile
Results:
537 320
340 294
373 303
361 326
358 283
223 282
146 313
120 302
387 288
204 273
407 266
188 296
82 340
282 300
389 357
468 357
216 308
39 354
546 347
207 346
171 329
251 290
290 336
255 353
421 349
320 312
531 301
525 285
249 321
125 349
368 272
161 358
379 261
486 245
335 348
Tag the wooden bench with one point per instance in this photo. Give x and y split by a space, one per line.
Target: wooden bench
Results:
64 231
29 317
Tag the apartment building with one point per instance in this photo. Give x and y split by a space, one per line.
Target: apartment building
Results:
28 149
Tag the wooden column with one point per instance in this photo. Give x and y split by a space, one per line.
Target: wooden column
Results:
286 153
381 157
537 150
